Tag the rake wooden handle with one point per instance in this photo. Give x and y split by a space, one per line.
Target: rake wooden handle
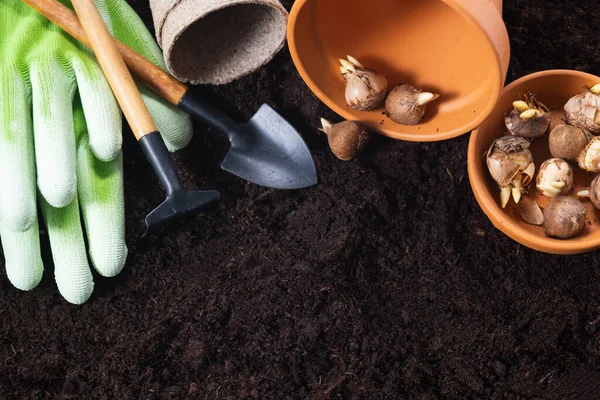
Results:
114 68
154 77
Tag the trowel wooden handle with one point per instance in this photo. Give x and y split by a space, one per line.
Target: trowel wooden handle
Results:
154 77
114 68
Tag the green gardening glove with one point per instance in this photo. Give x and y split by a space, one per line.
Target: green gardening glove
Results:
60 125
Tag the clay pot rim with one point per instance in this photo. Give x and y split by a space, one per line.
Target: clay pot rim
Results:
345 113
500 219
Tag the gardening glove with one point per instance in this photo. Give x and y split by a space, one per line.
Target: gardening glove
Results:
60 124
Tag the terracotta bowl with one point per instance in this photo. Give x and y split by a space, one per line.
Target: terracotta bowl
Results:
553 88
457 48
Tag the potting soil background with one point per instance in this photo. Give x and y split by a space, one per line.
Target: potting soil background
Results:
384 281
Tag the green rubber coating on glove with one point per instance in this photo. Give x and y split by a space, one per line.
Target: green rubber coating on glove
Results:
24 266
100 190
71 269
174 125
61 126
47 66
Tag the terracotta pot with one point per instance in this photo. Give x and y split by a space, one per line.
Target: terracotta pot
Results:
457 48
553 88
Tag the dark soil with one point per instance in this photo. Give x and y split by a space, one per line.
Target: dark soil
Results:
384 281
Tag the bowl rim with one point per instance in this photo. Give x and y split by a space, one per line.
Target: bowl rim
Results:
396 133
490 206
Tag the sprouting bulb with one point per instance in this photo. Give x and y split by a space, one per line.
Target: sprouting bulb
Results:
510 163
555 177
406 105
365 88
529 119
589 158
346 139
582 110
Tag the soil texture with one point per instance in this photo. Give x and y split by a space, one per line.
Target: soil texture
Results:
384 281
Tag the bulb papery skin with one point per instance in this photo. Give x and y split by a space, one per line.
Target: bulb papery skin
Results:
528 128
567 141
507 157
365 89
530 211
564 217
346 139
589 159
529 118
555 177
405 104
581 111
595 192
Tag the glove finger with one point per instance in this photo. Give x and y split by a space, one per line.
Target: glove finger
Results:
100 191
102 112
22 254
17 165
52 97
71 268
174 125
102 8
127 26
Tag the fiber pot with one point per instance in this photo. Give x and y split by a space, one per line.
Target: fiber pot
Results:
457 48
553 88
217 41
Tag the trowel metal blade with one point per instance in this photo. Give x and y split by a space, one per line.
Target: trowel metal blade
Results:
271 153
